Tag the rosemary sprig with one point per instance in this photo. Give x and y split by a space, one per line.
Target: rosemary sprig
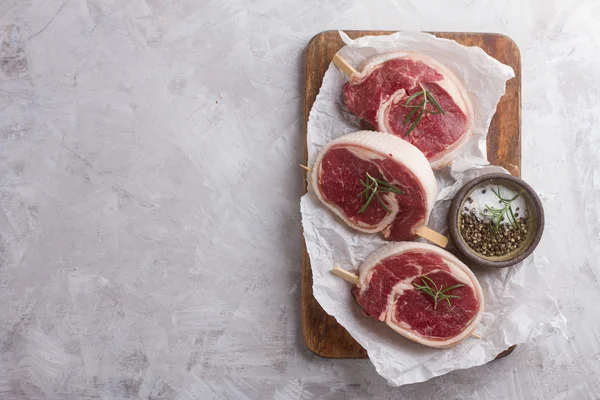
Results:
420 108
498 214
372 189
435 292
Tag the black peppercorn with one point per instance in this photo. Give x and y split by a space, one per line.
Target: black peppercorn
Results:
482 237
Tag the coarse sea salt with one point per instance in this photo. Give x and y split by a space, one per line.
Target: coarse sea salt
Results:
485 195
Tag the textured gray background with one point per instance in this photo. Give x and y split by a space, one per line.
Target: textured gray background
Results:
149 197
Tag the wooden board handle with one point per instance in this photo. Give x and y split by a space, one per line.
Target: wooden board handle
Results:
345 275
432 236
343 65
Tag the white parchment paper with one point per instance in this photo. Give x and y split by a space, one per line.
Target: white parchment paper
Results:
517 305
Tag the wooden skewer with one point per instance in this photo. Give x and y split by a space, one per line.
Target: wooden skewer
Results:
345 275
353 279
422 231
432 236
343 65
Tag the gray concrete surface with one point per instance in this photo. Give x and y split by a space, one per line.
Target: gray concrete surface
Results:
149 197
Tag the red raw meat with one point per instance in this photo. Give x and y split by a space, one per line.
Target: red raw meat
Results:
344 162
387 293
378 93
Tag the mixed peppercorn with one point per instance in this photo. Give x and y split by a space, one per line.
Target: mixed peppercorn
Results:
488 239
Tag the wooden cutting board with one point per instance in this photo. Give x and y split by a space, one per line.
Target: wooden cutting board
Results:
323 335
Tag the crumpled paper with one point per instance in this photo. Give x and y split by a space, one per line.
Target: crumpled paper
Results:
517 304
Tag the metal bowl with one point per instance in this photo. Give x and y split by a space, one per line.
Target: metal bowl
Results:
535 220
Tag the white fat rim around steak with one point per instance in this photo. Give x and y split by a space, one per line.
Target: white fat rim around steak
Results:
369 145
458 270
449 83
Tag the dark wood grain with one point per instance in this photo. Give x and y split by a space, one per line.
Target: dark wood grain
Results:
323 335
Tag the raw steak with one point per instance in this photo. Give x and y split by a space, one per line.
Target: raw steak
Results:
387 292
378 93
344 162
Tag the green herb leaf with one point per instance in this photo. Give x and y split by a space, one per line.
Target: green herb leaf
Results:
414 124
421 108
412 112
514 219
435 293
452 287
411 98
498 214
435 103
369 198
373 188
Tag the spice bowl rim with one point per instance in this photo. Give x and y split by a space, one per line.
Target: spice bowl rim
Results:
455 211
